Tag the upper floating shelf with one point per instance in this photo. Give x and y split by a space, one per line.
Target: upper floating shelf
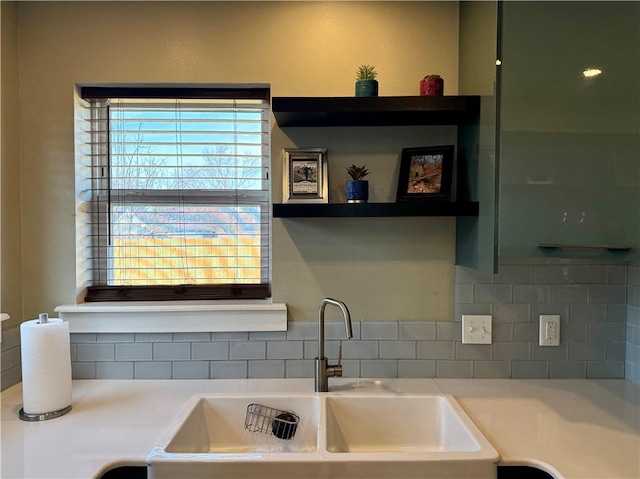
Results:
376 111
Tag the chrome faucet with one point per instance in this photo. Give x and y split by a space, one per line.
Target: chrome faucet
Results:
323 370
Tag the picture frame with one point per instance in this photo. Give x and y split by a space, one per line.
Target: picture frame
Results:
426 173
305 177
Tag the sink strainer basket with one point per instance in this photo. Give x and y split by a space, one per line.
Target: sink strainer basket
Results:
270 421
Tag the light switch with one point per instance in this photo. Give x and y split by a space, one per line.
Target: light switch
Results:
476 328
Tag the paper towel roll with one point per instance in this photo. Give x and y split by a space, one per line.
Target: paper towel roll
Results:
46 366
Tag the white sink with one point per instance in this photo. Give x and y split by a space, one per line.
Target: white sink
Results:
341 435
391 424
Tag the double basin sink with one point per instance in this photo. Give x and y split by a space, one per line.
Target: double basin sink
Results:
375 436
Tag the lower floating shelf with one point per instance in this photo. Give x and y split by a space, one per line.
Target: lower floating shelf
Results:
370 210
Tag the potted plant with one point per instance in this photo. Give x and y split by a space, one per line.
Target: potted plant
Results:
366 83
357 188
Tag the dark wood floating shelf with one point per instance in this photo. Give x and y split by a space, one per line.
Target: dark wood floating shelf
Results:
369 210
376 111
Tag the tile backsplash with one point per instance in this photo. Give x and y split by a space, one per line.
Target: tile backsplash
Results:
598 303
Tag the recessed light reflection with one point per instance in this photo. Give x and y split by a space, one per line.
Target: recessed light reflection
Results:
591 72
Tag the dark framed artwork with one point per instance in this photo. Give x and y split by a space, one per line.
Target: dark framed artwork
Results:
305 176
426 173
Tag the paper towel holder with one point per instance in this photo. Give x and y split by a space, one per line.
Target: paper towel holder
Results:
43 416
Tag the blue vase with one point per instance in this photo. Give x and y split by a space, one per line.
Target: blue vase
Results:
367 88
357 191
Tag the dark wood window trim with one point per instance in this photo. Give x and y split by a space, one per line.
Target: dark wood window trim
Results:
178 292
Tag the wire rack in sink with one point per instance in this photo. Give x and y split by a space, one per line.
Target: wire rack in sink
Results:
271 421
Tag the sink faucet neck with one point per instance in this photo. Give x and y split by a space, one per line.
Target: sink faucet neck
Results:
323 370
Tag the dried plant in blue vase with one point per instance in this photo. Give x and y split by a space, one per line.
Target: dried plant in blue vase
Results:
357 188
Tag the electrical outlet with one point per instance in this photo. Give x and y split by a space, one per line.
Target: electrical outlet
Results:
549 330
476 328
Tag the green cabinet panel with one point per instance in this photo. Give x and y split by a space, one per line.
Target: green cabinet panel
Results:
569 144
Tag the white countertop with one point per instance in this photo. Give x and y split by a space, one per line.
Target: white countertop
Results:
574 429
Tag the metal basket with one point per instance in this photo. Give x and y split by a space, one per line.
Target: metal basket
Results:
270 421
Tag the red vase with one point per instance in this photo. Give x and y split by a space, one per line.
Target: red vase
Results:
431 86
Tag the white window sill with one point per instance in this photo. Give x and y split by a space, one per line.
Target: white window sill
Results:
174 316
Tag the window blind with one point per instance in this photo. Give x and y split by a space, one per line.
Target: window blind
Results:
179 194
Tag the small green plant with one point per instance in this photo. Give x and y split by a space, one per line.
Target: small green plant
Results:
366 72
357 172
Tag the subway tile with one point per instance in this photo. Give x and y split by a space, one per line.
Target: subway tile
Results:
464 275
96 351
191 337
513 274
510 313
417 330
271 368
435 350
587 312
526 331
448 331
601 332
171 351
214 350
603 293
632 372
549 308
299 368
331 349
633 275
379 368
379 330
416 368
615 351
632 333
569 293
267 336
493 293
632 315
472 351
617 312
360 349
512 351
550 353
616 274
460 309
567 369
153 337
152 370
463 293
247 350
134 352
10 358
10 339
529 369
397 349
605 369
74 352
285 350
550 274
351 368
228 370
502 332
491 369
83 370
336 330
78 337
633 295
298 330
531 293
114 337
589 274
230 336
112 370
586 351
454 369
573 331
190 370
11 377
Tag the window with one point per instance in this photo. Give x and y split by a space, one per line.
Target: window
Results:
174 192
